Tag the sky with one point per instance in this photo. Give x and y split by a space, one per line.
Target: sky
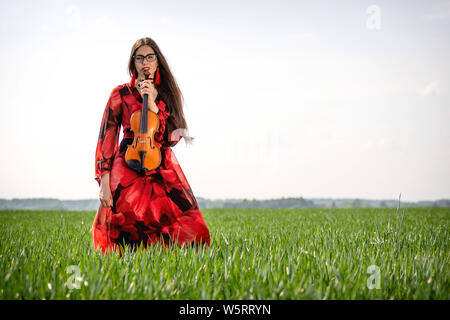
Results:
312 99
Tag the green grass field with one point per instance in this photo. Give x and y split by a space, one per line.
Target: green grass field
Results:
254 254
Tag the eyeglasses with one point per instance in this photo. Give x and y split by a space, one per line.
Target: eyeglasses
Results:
140 59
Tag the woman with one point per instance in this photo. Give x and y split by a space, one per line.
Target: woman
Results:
156 206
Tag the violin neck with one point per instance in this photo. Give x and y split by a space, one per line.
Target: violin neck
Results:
144 114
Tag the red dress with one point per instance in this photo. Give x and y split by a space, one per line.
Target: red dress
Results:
153 207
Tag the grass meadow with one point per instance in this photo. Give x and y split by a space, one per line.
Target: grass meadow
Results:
254 254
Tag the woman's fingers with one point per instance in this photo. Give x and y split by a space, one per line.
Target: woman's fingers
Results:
148 91
106 202
146 84
146 87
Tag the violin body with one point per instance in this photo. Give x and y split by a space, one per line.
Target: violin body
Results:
143 154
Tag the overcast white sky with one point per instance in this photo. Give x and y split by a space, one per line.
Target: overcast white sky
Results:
285 98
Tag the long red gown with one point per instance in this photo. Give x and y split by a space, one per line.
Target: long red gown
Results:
153 207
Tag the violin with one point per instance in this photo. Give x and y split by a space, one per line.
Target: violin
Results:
143 154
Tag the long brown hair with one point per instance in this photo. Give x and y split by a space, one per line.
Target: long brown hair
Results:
168 87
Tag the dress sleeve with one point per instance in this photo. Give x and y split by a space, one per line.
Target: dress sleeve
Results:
108 138
165 136
169 133
173 133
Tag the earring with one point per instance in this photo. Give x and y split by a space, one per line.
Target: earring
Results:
133 79
157 78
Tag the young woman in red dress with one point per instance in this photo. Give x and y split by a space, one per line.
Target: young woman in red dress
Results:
156 206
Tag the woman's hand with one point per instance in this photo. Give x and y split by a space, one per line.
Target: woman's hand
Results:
105 195
147 87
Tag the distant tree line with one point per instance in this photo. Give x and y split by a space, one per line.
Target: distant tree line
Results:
93 204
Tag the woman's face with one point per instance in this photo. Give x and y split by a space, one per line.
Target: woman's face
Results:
148 63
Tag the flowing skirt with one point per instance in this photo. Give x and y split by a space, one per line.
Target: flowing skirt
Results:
151 208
